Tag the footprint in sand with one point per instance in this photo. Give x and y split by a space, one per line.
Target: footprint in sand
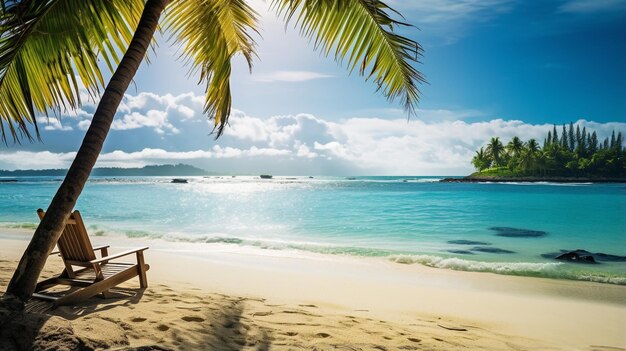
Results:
415 339
138 320
322 335
291 333
192 319
163 327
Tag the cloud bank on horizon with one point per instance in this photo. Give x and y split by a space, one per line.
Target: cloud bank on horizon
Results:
158 129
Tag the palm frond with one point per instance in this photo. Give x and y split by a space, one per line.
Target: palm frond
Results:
47 46
211 33
362 32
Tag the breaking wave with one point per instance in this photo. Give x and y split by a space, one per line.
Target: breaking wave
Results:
556 270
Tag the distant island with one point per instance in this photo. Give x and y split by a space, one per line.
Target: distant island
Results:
574 156
147 171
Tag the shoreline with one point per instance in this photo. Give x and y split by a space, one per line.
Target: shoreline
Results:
558 313
547 269
564 180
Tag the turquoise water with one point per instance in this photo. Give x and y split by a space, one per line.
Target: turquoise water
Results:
403 219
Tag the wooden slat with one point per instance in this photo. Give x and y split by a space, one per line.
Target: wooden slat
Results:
45 297
83 237
75 282
96 288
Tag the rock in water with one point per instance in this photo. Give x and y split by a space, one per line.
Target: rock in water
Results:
597 256
574 256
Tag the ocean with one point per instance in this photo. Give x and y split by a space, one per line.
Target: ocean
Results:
510 228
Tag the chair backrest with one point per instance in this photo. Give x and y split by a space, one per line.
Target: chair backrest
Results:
74 243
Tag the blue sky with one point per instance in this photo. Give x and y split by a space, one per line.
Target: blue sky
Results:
494 67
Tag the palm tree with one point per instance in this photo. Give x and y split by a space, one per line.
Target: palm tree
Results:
528 156
542 159
527 160
515 146
495 151
480 160
48 46
532 146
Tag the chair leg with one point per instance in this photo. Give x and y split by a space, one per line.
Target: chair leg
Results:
141 270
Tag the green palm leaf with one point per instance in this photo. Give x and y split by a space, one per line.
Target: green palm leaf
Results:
362 33
47 46
211 33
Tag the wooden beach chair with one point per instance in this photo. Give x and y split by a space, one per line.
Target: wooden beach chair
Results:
96 275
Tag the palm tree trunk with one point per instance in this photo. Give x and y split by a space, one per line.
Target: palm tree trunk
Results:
24 280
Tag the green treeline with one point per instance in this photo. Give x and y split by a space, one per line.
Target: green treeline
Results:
570 152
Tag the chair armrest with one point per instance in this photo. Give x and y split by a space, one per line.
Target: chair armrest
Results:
100 247
117 255
95 249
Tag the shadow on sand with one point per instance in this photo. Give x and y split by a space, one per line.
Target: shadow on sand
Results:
41 327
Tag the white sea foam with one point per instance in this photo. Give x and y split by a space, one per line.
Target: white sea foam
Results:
547 270
537 183
421 180
475 266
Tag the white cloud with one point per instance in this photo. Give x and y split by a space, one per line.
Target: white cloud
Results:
450 20
288 76
154 119
119 158
592 6
144 110
439 141
36 160
360 145
185 111
53 123
304 151
431 11
84 124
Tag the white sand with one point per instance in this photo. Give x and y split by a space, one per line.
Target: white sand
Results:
367 302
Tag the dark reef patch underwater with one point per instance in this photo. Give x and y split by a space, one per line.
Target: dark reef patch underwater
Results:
510 232
467 242
494 250
461 252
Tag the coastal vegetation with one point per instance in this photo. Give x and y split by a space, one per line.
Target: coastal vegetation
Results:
48 47
572 152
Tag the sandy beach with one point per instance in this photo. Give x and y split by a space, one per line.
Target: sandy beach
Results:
223 299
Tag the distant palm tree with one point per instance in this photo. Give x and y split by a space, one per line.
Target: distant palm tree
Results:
495 150
480 160
515 146
541 161
527 161
48 46
532 146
